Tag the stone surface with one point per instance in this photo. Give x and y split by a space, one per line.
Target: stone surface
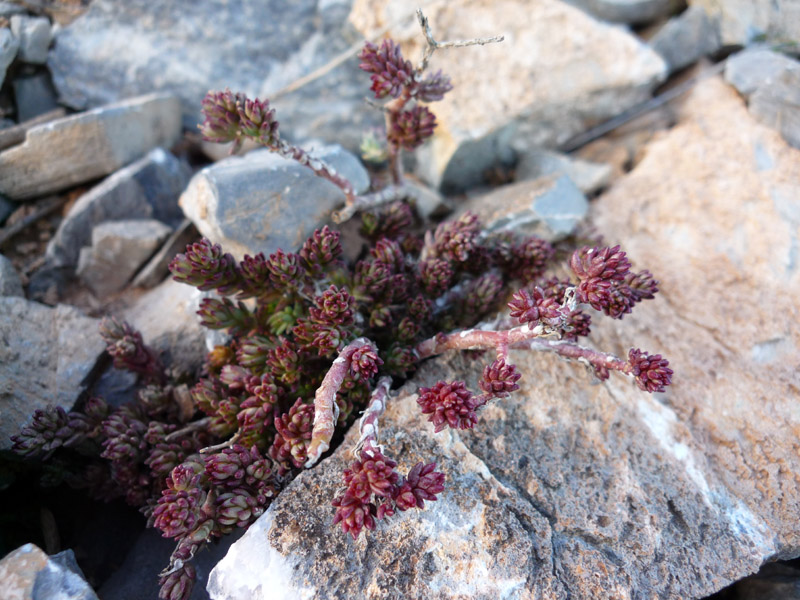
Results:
149 188
685 38
28 573
771 81
558 72
533 163
34 37
157 268
8 8
262 202
166 318
10 283
46 355
189 52
79 148
743 21
34 96
550 206
6 208
9 45
573 490
118 250
635 12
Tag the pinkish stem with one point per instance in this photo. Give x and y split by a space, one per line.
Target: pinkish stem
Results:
368 424
320 167
325 408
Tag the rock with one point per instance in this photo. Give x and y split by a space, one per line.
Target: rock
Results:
535 162
34 96
118 250
685 38
567 489
6 208
10 283
8 51
166 318
29 574
772 582
136 578
8 8
79 148
157 268
744 21
46 355
634 12
188 52
550 206
34 37
262 202
540 85
772 83
147 189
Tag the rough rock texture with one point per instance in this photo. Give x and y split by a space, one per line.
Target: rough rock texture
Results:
34 37
149 188
45 356
28 573
557 73
536 162
82 147
118 250
10 283
550 206
8 50
262 202
743 21
629 11
253 47
685 38
573 490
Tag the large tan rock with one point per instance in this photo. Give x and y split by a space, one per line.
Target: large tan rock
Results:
568 489
557 72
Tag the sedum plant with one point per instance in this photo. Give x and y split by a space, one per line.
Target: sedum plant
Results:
314 341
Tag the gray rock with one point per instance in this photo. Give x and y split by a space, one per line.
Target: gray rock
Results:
34 95
686 38
752 68
551 207
118 250
634 12
8 51
166 317
79 148
6 208
189 52
10 283
535 162
157 267
10 8
34 36
742 22
46 355
28 573
262 202
147 189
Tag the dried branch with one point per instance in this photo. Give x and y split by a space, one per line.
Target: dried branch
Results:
433 45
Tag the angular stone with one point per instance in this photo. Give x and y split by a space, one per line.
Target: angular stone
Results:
160 41
742 22
34 96
262 202
550 206
539 85
536 162
634 12
10 283
750 69
34 36
686 38
567 489
149 188
157 268
9 45
28 573
79 148
8 8
118 250
46 354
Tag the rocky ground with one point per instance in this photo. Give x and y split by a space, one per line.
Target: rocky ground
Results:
567 489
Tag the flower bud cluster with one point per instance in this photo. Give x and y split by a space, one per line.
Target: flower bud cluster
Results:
126 347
